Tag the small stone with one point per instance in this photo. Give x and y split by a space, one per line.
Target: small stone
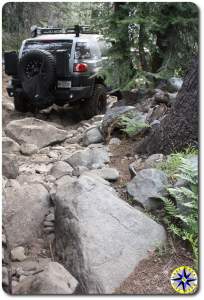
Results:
51 237
50 217
53 154
80 129
3 255
153 160
109 174
9 145
60 169
22 277
48 224
48 229
92 136
9 166
14 283
115 141
3 239
28 149
18 254
79 170
5 276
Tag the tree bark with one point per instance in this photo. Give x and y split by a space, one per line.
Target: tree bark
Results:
143 61
179 129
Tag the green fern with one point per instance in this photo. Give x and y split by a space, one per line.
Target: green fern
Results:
131 125
182 221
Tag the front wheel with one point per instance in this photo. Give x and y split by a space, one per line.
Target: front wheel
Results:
96 104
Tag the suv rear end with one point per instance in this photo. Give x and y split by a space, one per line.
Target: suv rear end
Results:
74 59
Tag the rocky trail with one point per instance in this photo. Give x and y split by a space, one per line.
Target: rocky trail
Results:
68 226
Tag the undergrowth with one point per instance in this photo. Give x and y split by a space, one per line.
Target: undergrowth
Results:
181 204
131 124
174 161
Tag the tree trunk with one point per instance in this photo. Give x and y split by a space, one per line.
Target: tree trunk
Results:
143 61
179 129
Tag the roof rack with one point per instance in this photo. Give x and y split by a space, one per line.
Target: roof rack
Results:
77 29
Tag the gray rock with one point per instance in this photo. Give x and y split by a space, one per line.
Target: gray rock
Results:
147 186
174 84
4 240
109 174
135 166
60 169
79 170
28 149
50 217
115 141
89 157
55 279
100 237
49 229
18 254
111 118
53 154
9 145
24 211
153 160
161 97
92 136
34 131
5 276
9 166
48 223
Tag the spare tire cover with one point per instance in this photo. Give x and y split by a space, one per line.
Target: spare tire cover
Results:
37 72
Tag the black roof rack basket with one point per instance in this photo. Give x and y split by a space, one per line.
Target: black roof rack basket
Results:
77 29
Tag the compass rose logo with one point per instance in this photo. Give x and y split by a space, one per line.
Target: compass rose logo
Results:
184 280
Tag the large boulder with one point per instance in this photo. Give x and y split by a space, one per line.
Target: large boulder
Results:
100 237
147 186
90 158
54 279
24 209
92 136
9 145
34 131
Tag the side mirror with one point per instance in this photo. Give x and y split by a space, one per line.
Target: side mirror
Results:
11 63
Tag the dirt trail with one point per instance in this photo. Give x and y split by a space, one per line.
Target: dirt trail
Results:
152 275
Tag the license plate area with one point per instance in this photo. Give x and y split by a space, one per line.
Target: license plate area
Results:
64 84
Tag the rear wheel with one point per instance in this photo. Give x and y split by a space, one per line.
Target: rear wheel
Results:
96 104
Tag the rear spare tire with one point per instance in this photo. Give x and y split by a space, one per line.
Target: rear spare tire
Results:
37 74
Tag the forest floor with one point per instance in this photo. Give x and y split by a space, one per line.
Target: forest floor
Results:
152 275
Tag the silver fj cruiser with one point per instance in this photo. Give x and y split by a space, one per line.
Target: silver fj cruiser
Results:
58 66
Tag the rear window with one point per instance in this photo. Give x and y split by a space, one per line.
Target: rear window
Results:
82 50
50 46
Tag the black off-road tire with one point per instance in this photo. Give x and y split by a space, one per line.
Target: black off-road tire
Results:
96 104
21 103
48 61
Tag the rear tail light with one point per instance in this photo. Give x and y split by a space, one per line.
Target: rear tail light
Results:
80 68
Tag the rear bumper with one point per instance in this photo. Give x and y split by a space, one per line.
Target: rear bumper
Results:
73 94
60 95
